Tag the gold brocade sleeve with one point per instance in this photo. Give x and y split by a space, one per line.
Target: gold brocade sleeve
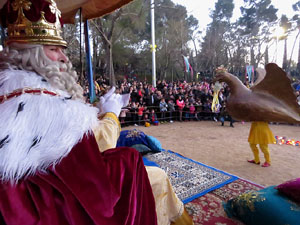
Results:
107 131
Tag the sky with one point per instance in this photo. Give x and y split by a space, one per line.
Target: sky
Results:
200 9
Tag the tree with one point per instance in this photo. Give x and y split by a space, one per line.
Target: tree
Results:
296 20
258 18
121 40
111 28
173 31
105 26
235 49
286 25
214 51
71 34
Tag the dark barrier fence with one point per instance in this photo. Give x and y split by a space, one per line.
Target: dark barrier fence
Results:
132 118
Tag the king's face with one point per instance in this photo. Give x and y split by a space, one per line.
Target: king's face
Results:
55 53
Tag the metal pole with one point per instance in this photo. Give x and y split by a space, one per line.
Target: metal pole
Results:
80 48
153 45
89 63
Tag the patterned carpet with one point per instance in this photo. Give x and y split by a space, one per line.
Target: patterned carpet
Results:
190 179
208 209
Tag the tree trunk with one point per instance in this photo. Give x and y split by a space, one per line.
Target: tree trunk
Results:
95 56
298 64
112 79
196 55
267 55
289 63
252 57
284 61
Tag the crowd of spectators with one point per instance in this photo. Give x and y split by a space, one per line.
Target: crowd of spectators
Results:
167 102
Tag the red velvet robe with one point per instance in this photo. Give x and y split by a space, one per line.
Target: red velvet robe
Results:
86 187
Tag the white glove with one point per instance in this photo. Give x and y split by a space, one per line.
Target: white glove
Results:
111 102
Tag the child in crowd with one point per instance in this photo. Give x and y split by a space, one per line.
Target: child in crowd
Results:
146 119
192 113
207 105
133 111
123 116
171 107
163 107
141 109
153 116
186 110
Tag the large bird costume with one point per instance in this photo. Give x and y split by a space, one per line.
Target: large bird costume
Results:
271 98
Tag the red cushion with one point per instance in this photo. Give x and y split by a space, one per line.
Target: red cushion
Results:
291 189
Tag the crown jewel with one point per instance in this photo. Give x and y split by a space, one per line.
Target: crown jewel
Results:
26 29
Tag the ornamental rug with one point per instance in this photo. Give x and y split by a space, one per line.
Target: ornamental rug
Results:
208 209
190 179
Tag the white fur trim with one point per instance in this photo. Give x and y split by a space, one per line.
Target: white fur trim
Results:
52 122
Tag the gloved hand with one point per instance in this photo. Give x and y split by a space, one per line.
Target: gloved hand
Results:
111 102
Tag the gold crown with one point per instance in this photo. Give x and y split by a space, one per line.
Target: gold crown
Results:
40 32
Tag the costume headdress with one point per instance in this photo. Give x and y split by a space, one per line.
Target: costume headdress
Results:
32 21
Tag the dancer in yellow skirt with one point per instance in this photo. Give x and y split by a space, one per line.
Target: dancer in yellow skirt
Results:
261 134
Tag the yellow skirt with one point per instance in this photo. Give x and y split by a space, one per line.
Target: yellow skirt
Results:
260 133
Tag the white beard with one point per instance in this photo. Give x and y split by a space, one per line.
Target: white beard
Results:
32 58
38 130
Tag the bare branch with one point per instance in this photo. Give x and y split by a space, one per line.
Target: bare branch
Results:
101 32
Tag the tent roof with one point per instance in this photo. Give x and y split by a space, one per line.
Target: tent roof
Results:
90 8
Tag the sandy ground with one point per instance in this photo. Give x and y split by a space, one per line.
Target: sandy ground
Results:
227 148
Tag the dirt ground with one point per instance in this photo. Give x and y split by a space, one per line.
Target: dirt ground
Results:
227 148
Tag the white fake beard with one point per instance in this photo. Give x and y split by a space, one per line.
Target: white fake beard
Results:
32 58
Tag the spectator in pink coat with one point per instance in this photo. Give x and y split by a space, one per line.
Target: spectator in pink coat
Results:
180 103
